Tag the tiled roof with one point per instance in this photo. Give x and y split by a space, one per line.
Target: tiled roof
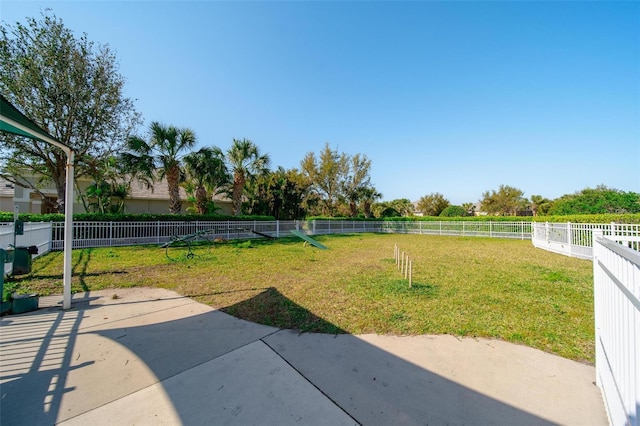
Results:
160 191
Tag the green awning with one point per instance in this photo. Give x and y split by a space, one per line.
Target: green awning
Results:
13 121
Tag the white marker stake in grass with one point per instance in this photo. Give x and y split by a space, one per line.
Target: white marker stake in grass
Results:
395 254
406 269
410 273
402 263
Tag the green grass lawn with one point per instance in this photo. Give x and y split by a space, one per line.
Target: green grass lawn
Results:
504 289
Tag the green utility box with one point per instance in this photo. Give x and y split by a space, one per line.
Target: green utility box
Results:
22 260
22 303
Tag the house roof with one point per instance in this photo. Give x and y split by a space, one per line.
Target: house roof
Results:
160 191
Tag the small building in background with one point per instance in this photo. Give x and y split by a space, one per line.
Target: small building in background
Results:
141 199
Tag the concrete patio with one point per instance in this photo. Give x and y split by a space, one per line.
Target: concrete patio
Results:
150 356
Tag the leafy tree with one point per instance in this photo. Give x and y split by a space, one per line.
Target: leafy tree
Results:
245 162
356 182
432 204
326 175
163 151
404 206
207 173
341 182
389 212
505 202
112 179
540 205
281 194
396 208
454 211
71 88
597 200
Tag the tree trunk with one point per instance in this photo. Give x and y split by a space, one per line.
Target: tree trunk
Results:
59 177
201 200
353 208
173 180
238 187
367 209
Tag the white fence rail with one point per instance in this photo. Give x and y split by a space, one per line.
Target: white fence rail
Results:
616 266
35 234
109 234
615 249
575 239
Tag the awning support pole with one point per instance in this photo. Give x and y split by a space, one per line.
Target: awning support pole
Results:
68 233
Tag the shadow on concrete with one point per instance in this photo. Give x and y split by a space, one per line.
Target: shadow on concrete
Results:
35 360
40 352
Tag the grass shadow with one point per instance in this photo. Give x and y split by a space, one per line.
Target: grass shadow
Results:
272 308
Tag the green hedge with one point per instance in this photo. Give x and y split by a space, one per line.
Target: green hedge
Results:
591 218
97 217
433 219
584 218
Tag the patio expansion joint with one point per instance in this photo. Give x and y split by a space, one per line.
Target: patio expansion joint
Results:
305 377
182 371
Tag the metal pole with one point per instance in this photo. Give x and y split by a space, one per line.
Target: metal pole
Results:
68 233
16 214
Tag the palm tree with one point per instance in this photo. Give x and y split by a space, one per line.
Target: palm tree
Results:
245 162
207 172
539 204
164 149
369 195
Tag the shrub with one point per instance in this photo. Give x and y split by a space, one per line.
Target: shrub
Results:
454 211
100 217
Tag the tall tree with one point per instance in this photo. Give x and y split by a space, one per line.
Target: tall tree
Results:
71 88
540 205
506 201
404 206
245 162
369 195
433 204
357 179
327 175
207 172
164 150
281 194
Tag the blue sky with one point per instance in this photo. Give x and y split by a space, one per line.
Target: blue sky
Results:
449 97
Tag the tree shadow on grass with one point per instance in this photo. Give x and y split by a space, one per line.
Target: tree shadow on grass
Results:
273 309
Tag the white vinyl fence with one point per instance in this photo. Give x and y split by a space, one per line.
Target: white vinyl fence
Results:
35 234
616 266
575 239
615 249
109 234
